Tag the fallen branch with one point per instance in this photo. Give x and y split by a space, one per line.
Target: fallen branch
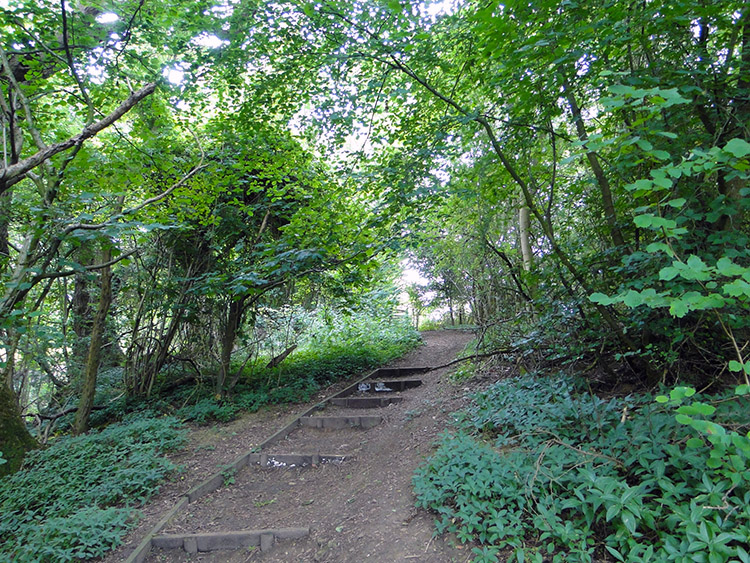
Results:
281 357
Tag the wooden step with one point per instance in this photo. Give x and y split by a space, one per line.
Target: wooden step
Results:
365 402
380 387
214 541
340 422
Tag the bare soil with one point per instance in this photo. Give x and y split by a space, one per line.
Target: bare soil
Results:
361 509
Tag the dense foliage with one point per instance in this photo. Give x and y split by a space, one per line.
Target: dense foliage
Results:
76 499
542 467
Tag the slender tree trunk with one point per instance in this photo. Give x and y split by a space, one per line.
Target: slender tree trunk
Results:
86 403
524 226
234 320
82 314
5 207
610 214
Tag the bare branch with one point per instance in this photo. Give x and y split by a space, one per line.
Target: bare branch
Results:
472 357
92 268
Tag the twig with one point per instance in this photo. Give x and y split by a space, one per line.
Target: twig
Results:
61 413
472 357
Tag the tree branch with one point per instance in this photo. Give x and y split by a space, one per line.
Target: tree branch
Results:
13 174
472 357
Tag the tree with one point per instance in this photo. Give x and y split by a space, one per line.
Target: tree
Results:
51 110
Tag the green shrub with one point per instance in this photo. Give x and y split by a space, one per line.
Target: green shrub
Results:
539 466
350 345
209 408
75 499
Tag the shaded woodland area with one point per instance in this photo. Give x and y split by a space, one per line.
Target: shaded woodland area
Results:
195 195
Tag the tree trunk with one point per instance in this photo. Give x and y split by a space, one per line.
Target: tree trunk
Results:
610 214
82 315
5 207
15 440
91 370
524 226
234 320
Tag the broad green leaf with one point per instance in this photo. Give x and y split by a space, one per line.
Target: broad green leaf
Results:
668 273
735 366
737 288
683 419
738 148
660 247
678 309
697 408
677 203
629 520
633 299
695 443
726 267
601 298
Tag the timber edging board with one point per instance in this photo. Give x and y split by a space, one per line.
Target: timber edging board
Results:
365 402
214 541
339 422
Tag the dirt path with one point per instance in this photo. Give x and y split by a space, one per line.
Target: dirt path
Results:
361 509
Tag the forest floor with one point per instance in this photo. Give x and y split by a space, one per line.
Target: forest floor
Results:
359 510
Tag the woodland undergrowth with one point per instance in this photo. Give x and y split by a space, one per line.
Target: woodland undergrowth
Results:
540 467
334 348
76 499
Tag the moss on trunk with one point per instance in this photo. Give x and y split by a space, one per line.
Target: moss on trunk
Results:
15 439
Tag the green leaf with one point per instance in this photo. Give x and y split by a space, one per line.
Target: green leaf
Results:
738 148
678 308
660 247
680 392
726 267
668 273
622 90
643 186
616 554
629 520
676 203
633 299
660 154
683 419
713 463
643 221
737 288
697 408
601 298
735 366
644 144
395 6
